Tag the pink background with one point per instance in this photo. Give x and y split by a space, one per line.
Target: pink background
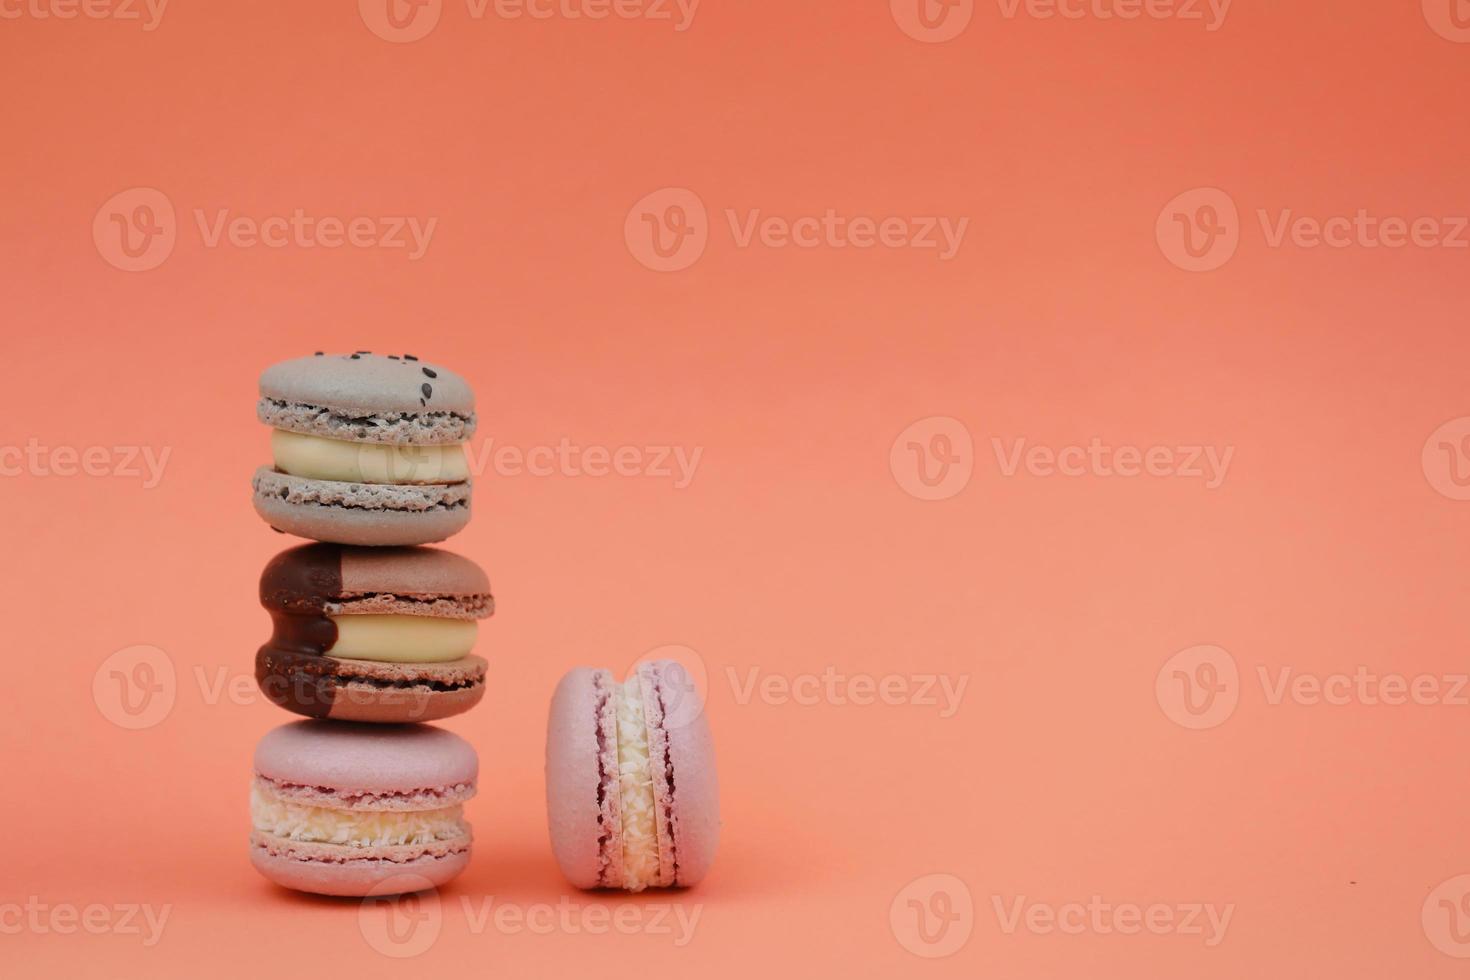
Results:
1334 542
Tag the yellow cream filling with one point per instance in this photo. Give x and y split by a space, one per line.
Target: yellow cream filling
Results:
316 458
270 814
635 790
403 639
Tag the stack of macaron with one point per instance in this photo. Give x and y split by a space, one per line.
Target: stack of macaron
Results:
373 633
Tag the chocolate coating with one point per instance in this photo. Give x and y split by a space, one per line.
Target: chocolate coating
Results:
291 668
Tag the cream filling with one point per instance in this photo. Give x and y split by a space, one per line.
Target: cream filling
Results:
403 639
316 458
270 814
635 789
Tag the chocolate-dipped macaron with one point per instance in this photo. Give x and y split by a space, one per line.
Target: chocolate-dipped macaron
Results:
368 449
373 634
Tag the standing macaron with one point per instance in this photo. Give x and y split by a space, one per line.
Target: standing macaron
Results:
373 634
631 795
342 809
368 450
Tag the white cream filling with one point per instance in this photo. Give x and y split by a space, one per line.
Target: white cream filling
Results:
270 814
403 639
635 789
317 458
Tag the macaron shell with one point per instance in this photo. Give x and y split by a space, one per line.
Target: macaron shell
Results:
357 758
694 799
354 878
366 514
367 690
575 816
411 572
367 384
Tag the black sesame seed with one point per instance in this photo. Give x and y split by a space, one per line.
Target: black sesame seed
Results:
318 353
431 374
427 389
392 357
356 356
364 352
422 402
409 357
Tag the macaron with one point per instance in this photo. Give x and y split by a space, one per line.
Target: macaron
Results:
368 449
342 809
631 796
373 634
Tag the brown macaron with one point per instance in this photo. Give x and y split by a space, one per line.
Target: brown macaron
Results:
373 634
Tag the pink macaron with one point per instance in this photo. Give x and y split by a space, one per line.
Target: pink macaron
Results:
631 795
338 808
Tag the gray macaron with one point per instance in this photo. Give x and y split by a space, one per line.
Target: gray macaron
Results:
367 399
